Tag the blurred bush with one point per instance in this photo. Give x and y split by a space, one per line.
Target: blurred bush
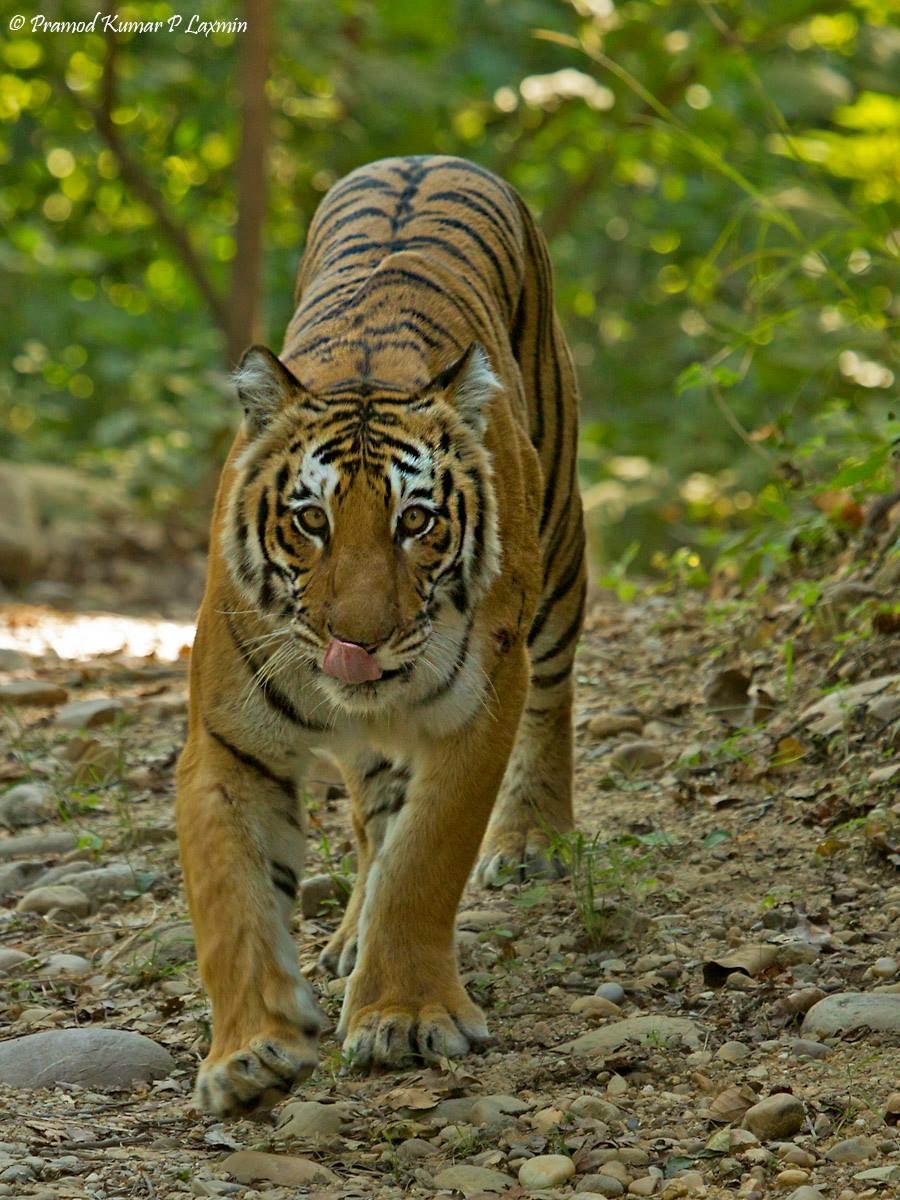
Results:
719 184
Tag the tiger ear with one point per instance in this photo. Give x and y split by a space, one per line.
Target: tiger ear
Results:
469 383
264 386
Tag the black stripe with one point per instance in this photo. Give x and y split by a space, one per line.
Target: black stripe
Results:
285 879
546 681
562 589
268 690
443 688
568 636
383 764
253 763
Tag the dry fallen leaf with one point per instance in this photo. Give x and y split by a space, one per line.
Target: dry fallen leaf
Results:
730 1106
749 960
727 694
409 1097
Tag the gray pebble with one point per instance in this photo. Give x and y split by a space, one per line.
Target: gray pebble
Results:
611 991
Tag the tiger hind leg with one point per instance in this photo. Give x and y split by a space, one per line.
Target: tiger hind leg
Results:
377 788
534 806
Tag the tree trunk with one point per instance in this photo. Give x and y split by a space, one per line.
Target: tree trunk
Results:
244 317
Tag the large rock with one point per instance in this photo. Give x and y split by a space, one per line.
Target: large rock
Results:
247 1165
97 1058
32 691
546 1171
471 1180
17 876
827 715
88 714
846 1011
21 539
104 883
308 1119
651 1028
35 844
27 804
10 959
43 900
779 1116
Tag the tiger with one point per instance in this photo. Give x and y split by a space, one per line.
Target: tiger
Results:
396 579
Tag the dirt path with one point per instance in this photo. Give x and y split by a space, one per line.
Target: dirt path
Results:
727 876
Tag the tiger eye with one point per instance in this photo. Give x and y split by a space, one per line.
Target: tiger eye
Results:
415 520
313 519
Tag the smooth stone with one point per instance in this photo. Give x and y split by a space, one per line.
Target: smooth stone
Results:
889 1174
595 1107
645 1186
92 1057
27 804
595 1007
472 1180
88 714
31 691
61 872
613 992
455 1111
65 964
105 883
733 1052
16 877
493 1110
10 959
546 1171
414 1149
13 660
310 1119
882 968
779 1116
636 756
651 1028
806 1192
846 1011
608 725
36 844
806 1048
852 1150
479 919
791 1177
282 1169
62 895
590 1186
316 890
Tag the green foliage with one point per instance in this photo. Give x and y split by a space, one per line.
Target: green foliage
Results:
719 184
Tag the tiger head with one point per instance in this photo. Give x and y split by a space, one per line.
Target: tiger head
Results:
362 528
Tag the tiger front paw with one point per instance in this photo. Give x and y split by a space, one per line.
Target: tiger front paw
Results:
257 1076
516 857
392 1033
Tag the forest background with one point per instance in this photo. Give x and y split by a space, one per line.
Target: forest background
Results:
718 182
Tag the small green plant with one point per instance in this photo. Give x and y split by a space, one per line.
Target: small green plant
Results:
607 871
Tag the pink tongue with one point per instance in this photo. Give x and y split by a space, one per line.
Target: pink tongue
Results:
350 663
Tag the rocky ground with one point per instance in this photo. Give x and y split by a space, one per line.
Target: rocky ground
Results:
708 1006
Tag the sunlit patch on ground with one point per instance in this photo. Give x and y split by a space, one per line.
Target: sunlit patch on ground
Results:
37 630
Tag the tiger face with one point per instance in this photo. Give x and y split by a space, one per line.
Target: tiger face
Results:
363 529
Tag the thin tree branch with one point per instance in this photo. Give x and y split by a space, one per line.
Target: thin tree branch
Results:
140 184
246 277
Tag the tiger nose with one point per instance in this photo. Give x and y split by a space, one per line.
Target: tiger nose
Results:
349 638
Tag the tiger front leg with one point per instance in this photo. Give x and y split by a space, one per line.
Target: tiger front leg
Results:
242 845
405 998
